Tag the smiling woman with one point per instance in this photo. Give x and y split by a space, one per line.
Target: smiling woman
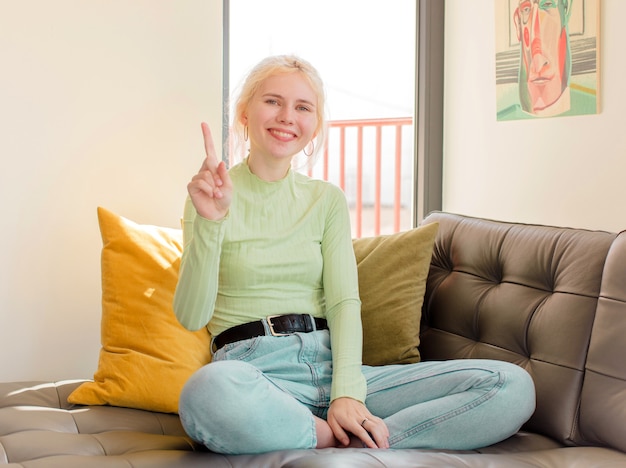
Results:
288 106
269 267
278 124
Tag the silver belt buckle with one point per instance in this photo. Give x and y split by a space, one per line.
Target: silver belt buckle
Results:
268 319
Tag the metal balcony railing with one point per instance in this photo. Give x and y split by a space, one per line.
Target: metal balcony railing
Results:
371 160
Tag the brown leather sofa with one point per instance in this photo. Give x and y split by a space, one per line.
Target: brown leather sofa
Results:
552 300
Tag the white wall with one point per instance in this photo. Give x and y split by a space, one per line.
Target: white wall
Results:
567 171
100 104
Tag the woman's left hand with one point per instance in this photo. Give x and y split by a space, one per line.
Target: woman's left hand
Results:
348 415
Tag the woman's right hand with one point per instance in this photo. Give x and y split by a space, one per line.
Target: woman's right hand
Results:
211 189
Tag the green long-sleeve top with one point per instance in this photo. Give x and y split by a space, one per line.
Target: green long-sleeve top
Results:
284 247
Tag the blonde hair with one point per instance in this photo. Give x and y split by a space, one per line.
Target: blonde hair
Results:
268 67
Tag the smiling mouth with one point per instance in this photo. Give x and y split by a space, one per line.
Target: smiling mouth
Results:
282 135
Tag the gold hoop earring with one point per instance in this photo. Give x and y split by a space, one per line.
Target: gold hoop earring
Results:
245 133
312 149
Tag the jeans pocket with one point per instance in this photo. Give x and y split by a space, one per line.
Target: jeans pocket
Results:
238 351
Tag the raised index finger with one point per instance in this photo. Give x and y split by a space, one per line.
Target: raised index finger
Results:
209 148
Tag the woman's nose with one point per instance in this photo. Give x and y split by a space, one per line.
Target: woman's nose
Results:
285 116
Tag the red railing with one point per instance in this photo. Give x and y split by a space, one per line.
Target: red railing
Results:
367 158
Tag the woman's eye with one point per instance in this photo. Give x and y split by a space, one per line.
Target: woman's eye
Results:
271 101
304 108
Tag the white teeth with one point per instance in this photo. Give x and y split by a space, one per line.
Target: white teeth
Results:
282 134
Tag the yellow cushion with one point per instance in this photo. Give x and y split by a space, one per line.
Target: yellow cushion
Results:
392 281
146 355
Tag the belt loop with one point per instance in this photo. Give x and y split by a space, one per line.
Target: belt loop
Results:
267 326
313 324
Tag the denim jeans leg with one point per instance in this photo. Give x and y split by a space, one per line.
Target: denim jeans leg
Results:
259 395
231 407
459 404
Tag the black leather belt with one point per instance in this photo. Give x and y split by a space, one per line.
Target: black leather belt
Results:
278 325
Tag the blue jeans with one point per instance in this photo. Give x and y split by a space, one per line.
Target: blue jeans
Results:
260 395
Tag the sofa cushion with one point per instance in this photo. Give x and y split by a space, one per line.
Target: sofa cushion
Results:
392 279
146 355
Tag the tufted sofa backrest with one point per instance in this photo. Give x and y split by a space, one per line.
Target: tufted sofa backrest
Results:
552 300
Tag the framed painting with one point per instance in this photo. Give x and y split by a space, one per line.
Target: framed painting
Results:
547 58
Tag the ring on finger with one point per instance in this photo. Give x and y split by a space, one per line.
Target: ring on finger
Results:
363 422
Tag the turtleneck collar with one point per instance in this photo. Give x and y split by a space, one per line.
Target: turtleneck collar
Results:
264 186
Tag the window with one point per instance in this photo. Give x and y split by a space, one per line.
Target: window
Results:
365 51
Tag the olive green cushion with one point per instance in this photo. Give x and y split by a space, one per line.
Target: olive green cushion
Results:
392 281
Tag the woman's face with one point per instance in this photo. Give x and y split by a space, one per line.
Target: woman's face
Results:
281 116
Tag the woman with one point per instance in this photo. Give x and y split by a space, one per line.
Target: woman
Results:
268 264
